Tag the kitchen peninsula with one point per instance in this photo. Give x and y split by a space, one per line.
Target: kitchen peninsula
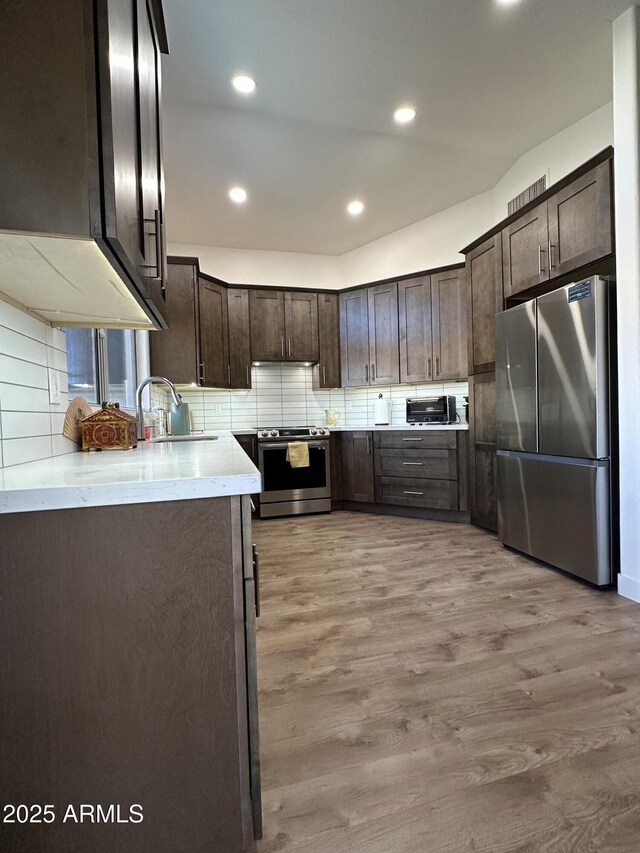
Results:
129 608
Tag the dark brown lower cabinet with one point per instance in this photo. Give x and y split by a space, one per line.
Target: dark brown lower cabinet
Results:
129 675
420 469
357 467
482 450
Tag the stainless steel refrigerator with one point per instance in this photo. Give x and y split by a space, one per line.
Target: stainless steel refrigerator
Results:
553 428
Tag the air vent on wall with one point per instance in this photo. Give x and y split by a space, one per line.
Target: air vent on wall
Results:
527 195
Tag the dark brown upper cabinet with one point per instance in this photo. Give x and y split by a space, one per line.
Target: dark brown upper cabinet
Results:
581 221
214 370
81 160
384 366
449 323
369 336
239 338
432 314
525 251
484 277
326 373
301 326
266 319
195 346
354 338
284 326
358 483
416 337
571 229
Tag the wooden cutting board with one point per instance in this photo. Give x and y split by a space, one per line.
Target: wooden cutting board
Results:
78 409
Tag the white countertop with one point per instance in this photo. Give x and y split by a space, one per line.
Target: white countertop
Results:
397 427
371 427
150 473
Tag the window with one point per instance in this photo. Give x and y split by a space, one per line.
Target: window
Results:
102 365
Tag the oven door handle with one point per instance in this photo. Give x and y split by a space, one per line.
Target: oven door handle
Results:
282 445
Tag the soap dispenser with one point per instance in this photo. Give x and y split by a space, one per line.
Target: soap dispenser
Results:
180 419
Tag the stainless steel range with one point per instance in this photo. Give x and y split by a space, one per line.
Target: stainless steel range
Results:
294 491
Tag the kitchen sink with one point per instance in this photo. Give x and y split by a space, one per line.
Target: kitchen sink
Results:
172 438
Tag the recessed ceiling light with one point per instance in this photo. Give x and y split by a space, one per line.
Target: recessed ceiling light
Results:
244 84
355 207
507 2
238 194
404 115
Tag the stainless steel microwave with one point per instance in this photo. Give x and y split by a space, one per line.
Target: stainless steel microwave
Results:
431 410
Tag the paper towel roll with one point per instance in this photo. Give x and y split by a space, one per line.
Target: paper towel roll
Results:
382 412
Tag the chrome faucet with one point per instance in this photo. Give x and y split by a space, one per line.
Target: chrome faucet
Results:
177 399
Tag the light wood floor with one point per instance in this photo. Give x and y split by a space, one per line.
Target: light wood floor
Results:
425 690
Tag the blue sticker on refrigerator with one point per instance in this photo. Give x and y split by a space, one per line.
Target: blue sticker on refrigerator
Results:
582 290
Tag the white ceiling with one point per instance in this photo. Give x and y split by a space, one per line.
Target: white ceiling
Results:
489 83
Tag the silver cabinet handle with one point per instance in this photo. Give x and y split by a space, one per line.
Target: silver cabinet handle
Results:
413 463
163 254
282 346
159 264
373 373
256 577
437 365
229 374
412 439
366 374
289 345
202 371
540 254
324 375
428 368
551 264
368 444
248 380
413 493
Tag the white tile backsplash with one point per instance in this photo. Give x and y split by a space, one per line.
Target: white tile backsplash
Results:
283 395
30 426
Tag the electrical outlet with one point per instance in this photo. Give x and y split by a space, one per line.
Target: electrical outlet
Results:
55 396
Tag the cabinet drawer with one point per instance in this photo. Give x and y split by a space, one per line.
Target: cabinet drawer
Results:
405 491
405 439
426 464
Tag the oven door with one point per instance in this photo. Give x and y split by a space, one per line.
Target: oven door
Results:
281 482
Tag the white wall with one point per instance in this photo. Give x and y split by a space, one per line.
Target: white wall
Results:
253 266
626 91
30 426
426 244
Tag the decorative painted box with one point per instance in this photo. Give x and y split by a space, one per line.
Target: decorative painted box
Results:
109 429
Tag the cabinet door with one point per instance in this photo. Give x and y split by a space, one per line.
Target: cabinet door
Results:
415 330
173 350
580 221
239 343
384 354
326 373
482 441
266 320
152 176
131 162
357 467
301 326
484 274
214 335
354 338
449 323
525 251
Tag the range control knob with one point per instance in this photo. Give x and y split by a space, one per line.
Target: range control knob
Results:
313 431
322 431
274 433
263 433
